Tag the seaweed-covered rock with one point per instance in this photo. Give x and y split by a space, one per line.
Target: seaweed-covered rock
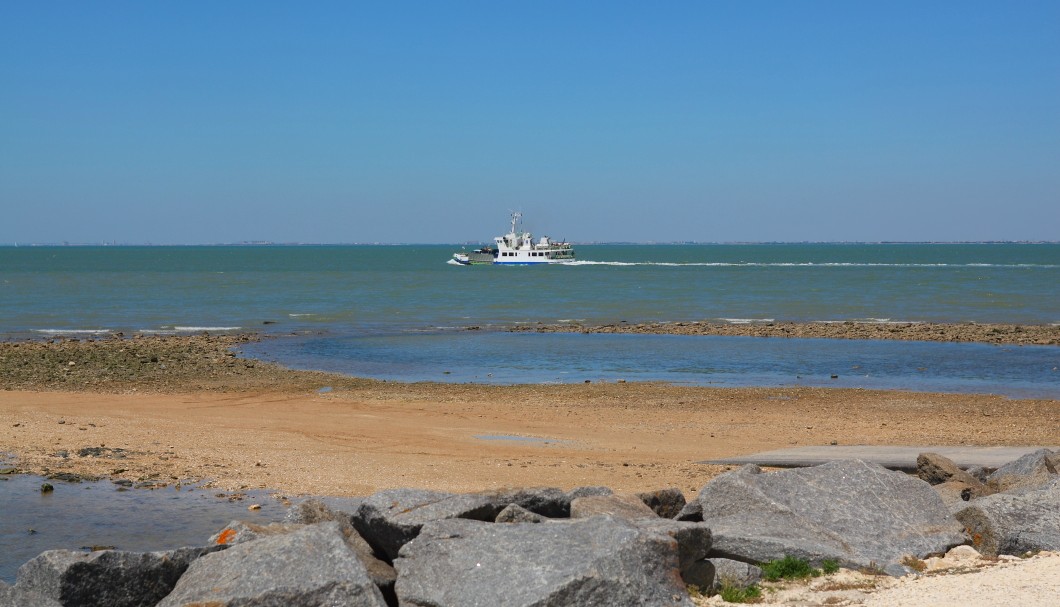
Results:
108 578
1015 523
595 561
855 512
312 566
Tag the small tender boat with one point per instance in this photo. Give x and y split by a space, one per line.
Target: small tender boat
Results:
517 248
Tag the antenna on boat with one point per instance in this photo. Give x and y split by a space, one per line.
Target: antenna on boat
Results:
516 216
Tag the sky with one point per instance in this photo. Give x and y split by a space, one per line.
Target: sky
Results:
429 122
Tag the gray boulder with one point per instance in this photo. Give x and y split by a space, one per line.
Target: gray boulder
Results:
238 532
546 501
314 510
595 561
629 507
108 578
381 573
734 574
309 567
1032 470
667 503
587 491
936 469
956 494
389 519
514 513
1007 523
693 545
12 596
855 512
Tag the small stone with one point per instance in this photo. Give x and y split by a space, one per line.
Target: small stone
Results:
46 488
254 507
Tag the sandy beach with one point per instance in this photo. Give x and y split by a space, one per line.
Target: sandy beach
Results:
183 409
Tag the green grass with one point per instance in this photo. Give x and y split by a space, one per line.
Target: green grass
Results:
788 568
830 566
736 594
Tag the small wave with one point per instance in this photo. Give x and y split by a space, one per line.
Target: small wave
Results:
197 329
300 315
73 331
568 320
746 321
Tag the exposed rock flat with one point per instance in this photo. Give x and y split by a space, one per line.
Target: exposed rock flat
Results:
1041 335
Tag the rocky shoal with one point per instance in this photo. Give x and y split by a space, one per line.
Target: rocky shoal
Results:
1039 335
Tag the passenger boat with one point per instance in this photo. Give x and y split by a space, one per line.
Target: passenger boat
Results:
516 248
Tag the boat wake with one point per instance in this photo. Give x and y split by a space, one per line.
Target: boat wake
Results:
806 264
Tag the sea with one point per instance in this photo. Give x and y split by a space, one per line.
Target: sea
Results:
402 313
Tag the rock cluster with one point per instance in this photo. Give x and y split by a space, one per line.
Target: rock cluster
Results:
589 546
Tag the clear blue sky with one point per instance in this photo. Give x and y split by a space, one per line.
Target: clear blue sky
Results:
201 122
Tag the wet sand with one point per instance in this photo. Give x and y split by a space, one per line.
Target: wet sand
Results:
182 409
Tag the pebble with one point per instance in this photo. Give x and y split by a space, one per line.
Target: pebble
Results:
254 507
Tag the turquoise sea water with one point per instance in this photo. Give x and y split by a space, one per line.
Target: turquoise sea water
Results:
356 306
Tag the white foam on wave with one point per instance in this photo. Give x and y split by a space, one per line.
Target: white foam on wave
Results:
746 321
293 315
196 329
73 331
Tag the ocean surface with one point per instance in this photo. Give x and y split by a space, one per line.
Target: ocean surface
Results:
399 312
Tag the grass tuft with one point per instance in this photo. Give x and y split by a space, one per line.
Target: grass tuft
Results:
788 568
737 594
830 566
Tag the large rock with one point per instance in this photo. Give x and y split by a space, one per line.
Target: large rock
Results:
595 561
312 511
514 513
380 572
546 501
855 512
390 519
1030 471
693 545
238 532
1014 523
11 596
667 503
936 469
734 574
108 578
956 494
309 567
629 507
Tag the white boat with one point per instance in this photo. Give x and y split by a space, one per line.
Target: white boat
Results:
517 248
